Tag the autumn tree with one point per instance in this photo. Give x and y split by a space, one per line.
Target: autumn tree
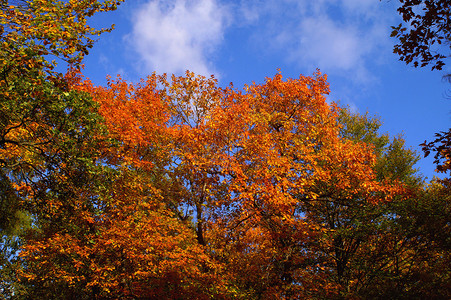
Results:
42 121
132 247
34 97
276 150
266 192
32 30
246 172
61 169
116 232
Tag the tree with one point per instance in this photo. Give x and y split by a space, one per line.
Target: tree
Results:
277 149
406 249
130 246
113 234
35 99
199 192
426 35
42 121
32 30
247 178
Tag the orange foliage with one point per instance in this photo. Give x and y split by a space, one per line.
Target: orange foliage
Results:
220 193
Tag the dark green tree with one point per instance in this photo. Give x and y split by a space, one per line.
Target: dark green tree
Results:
405 242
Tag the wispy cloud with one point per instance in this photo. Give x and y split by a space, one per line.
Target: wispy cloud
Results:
173 36
337 36
320 40
334 35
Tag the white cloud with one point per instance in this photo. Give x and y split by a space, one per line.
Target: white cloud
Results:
173 36
342 36
328 44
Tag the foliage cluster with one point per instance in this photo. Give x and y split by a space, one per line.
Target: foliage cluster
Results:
425 38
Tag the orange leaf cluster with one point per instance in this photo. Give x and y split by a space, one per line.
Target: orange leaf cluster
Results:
219 190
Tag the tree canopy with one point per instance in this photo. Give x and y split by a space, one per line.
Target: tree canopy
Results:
177 188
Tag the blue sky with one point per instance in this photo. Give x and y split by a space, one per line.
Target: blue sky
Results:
245 41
